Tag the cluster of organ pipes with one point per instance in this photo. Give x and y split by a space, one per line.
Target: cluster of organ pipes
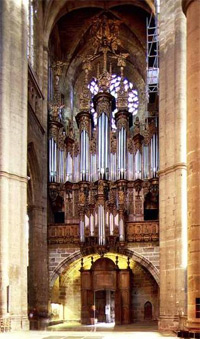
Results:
65 165
102 219
102 156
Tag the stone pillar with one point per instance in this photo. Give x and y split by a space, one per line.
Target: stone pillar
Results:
192 11
13 163
37 206
172 176
38 273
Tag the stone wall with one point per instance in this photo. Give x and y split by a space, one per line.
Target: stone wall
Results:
37 167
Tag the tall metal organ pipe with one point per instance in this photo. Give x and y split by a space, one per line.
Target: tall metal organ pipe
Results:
122 118
122 150
101 225
52 160
103 146
154 155
104 104
84 163
138 165
84 120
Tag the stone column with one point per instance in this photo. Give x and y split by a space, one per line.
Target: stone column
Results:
37 206
192 11
172 177
13 163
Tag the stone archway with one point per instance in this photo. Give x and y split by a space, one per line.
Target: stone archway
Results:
66 279
144 262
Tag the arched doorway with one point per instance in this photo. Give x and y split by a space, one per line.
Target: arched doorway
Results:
148 311
108 287
67 292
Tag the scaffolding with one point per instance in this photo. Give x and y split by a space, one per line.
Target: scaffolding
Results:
152 56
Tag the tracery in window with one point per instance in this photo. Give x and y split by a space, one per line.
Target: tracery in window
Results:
133 100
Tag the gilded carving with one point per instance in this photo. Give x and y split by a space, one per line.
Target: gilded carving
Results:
103 106
137 126
122 122
63 234
130 146
85 98
55 112
122 97
76 148
142 232
93 146
104 81
61 139
84 124
82 198
105 32
113 143
53 132
100 187
138 206
121 196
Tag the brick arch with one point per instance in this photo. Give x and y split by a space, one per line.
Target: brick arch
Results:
144 262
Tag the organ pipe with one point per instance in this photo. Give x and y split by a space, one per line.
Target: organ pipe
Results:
138 165
82 230
146 162
69 167
101 225
121 229
83 120
103 146
113 167
122 153
111 223
84 163
61 166
76 173
154 155
93 173
122 118
91 224
130 166
52 160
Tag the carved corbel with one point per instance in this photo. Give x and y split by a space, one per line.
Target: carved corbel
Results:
138 184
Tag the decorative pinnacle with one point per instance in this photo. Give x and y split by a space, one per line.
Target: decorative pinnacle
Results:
85 96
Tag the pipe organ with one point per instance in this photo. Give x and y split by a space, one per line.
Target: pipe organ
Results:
100 177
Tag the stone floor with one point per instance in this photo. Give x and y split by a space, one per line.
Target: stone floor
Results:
100 331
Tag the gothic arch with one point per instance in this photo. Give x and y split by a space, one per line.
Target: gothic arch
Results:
129 253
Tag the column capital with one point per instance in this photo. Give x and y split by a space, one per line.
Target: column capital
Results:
186 4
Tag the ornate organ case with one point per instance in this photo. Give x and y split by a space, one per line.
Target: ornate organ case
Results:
103 181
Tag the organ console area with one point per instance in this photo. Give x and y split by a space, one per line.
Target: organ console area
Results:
103 167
